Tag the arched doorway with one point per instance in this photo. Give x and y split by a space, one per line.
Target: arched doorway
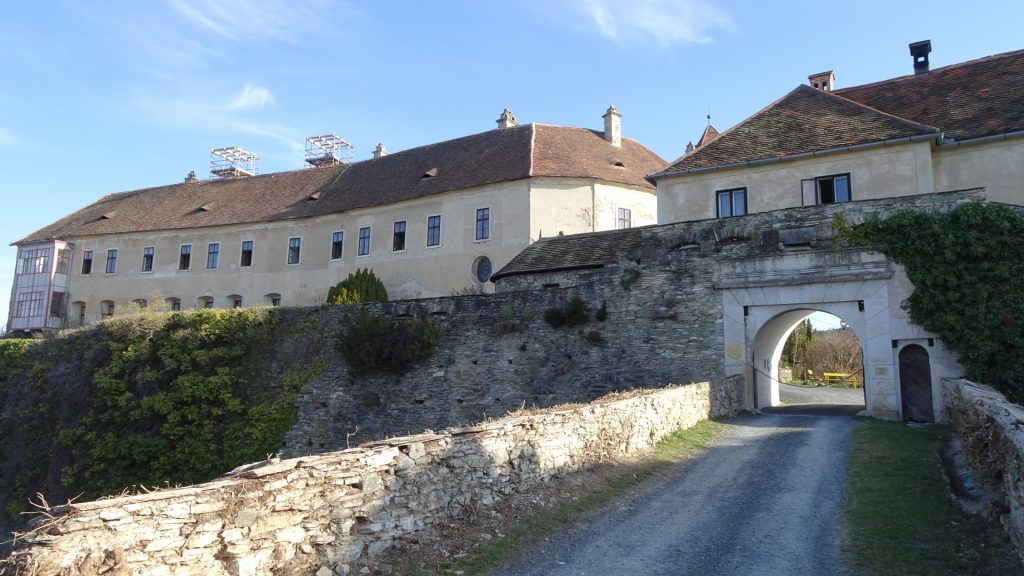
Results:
830 370
916 384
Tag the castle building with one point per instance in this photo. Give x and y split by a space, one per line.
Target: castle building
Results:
428 221
952 128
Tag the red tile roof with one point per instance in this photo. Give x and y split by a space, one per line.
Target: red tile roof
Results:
968 100
486 158
804 120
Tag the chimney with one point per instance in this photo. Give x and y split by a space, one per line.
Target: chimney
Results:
822 80
613 126
191 177
689 148
507 120
379 152
919 51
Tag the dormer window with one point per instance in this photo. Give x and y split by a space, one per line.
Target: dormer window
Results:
429 174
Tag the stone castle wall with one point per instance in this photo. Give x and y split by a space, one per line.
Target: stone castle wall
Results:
323 513
992 431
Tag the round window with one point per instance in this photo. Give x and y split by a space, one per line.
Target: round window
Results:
483 269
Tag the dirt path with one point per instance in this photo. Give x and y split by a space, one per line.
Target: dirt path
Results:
762 500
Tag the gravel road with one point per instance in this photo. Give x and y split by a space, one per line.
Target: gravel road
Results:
762 500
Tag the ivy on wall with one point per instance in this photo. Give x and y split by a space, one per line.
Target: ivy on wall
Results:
148 399
967 267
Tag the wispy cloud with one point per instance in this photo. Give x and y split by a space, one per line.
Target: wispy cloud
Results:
246 20
252 98
666 22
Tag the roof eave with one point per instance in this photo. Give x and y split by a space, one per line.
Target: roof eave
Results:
653 178
499 275
983 139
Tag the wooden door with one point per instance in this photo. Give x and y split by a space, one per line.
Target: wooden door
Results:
916 384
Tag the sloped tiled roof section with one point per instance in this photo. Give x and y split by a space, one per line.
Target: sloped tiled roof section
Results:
476 160
194 204
804 120
583 153
968 100
590 250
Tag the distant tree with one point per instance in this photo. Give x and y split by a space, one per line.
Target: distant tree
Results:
794 349
360 286
835 351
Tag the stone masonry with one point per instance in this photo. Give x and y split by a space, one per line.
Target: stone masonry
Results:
990 427
320 514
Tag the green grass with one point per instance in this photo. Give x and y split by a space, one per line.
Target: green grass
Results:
898 517
547 521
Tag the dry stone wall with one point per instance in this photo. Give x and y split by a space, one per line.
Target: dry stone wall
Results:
321 514
992 431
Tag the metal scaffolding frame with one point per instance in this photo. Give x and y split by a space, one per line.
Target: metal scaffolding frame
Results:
233 162
328 150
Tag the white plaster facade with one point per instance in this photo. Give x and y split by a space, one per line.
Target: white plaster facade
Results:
883 171
518 213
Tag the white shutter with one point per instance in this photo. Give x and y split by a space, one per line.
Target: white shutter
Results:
809 191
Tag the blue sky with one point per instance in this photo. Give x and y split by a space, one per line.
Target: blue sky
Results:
109 96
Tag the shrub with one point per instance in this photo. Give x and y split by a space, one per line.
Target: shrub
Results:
967 268
12 355
573 314
372 343
360 286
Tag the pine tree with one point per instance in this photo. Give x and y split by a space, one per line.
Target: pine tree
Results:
360 286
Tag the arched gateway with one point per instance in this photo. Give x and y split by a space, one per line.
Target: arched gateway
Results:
764 298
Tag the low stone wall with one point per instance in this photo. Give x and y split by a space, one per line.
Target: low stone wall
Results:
320 514
992 430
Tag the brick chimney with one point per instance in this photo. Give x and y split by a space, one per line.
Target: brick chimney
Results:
613 126
822 80
919 51
507 120
379 151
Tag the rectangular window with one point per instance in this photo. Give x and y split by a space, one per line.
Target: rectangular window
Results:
624 219
176 305
275 301
433 231
833 189
185 259
483 223
35 261
364 241
294 250
246 259
87 262
29 304
147 259
337 245
57 305
732 202
213 255
111 261
399 242
236 303
207 303
63 261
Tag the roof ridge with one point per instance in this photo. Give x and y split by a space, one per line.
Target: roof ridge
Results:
533 146
945 68
872 109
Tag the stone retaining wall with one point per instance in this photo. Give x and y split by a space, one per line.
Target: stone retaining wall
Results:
320 514
990 427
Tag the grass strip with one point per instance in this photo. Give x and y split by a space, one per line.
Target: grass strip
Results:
898 516
545 522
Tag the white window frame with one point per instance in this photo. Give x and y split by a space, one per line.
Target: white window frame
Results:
369 242
210 245
241 252
180 248
288 252
476 225
342 255
440 230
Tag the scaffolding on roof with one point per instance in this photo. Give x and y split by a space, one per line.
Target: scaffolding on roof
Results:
328 150
233 162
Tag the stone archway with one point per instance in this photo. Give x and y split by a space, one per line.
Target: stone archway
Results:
772 293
